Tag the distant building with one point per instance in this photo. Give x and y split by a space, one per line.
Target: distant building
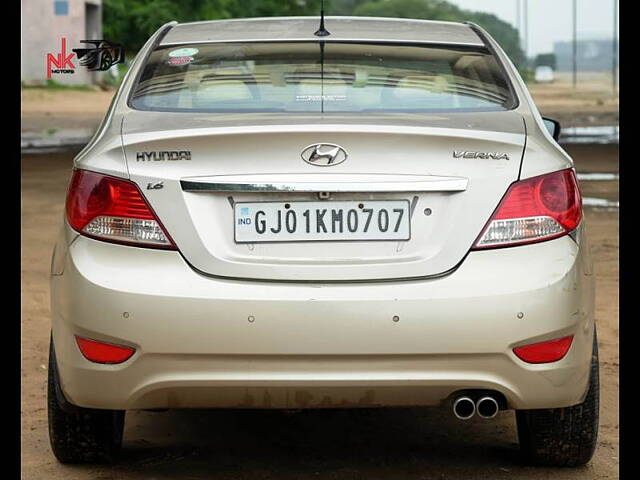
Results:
593 55
45 23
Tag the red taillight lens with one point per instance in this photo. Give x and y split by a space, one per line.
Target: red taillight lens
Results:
544 352
100 352
533 210
113 209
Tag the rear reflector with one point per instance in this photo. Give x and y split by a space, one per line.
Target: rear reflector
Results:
544 352
100 352
533 210
113 209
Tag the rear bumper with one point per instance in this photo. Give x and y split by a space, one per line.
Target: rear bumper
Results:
205 342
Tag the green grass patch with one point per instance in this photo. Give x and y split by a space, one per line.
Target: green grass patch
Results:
50 84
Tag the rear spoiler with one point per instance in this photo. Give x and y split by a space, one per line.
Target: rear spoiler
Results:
484 36
159 35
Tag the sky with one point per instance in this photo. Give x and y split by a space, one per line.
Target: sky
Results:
551 20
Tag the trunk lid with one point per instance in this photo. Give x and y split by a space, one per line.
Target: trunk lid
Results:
390 157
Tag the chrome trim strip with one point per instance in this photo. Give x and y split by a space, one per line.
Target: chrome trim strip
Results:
441 184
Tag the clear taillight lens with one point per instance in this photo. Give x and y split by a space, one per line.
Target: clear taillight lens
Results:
533 210
113 209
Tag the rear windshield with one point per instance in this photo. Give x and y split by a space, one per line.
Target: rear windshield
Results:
320 77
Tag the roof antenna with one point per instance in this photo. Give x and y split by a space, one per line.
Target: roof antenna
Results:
322 32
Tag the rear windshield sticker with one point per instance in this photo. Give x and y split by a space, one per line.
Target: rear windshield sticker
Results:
183 52
180 61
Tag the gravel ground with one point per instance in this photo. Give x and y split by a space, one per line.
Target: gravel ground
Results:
368 444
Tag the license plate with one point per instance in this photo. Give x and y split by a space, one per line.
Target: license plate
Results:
322 221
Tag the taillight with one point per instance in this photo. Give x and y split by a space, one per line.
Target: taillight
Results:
544 352
101 352
533 210
113 209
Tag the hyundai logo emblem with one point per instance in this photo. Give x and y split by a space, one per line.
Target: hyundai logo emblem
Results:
324 154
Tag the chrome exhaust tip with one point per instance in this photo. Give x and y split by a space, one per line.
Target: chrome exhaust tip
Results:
464 408
487 407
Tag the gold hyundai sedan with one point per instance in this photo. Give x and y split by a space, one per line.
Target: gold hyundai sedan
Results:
369 214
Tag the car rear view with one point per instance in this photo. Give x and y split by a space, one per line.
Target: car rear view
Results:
272 219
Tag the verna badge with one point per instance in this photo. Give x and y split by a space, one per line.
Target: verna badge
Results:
324 154
483 155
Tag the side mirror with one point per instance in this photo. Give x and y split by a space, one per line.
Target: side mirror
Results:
553 126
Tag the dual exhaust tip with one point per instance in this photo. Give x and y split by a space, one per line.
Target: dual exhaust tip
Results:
465 408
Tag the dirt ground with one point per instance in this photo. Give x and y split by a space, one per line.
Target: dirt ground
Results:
44 111
364 444
593 103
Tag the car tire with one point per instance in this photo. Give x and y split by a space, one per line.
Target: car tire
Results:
563 437
106 60
80 435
